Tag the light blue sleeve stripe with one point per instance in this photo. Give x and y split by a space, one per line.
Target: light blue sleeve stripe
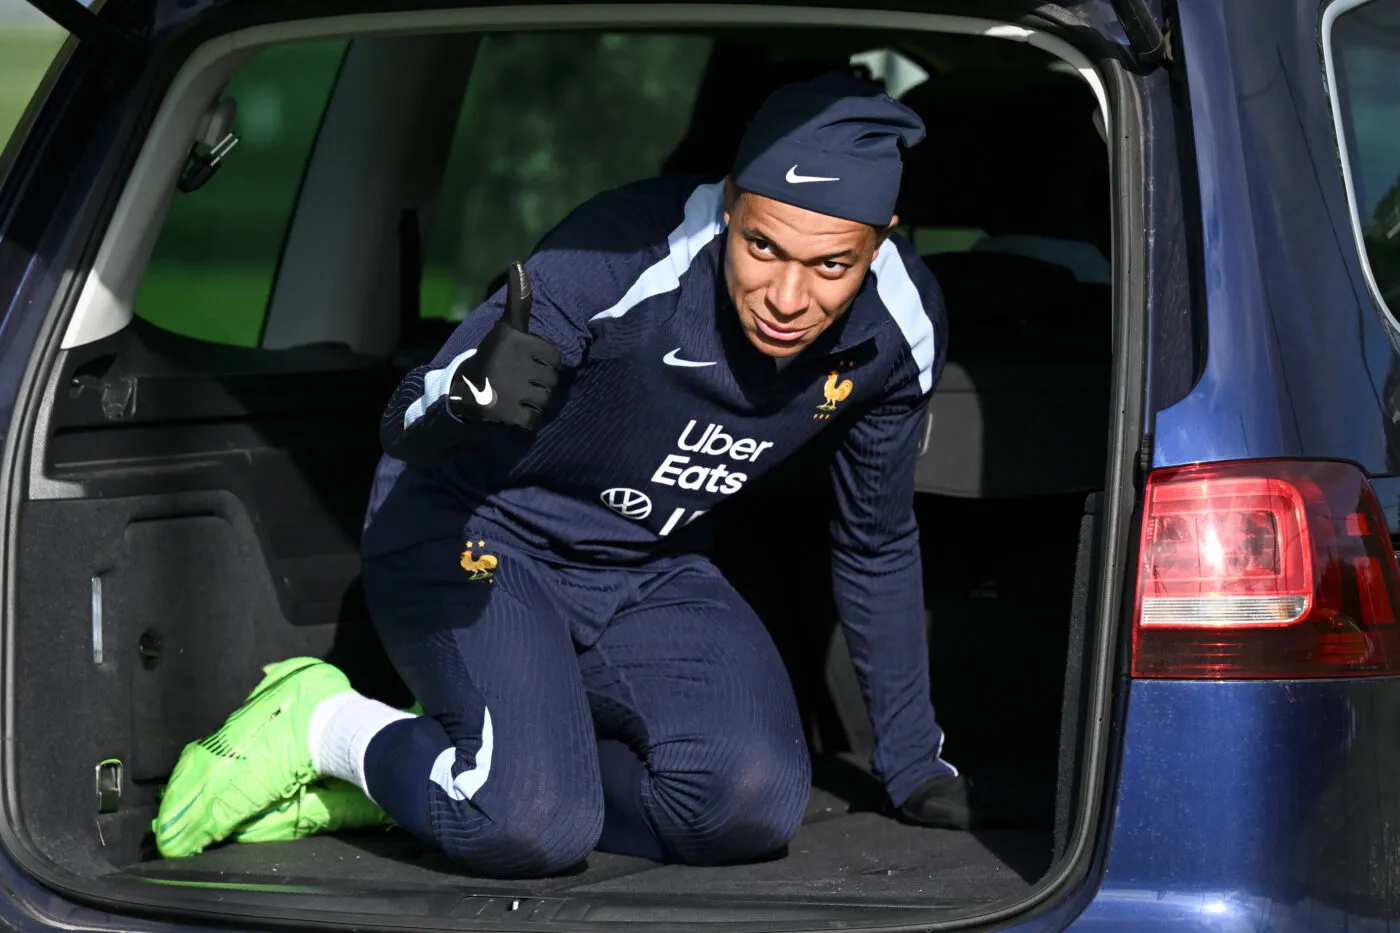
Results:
704 219
905 305
435 385
465 785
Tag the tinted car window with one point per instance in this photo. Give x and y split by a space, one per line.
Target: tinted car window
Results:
1365 54
549 120
213 268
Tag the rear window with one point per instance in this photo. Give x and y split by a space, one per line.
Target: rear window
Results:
548 121
213 269
1363 54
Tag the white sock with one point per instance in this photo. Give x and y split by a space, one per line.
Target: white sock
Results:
341 729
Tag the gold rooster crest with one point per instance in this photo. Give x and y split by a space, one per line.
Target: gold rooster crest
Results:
835 392
480 568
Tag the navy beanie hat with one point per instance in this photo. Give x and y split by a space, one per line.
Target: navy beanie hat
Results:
830 145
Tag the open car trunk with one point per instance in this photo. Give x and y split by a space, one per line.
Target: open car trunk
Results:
195 497
191 595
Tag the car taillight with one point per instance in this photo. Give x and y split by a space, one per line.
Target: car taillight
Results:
1265 569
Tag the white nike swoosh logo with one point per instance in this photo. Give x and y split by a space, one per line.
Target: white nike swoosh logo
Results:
670 359
485 396
796 179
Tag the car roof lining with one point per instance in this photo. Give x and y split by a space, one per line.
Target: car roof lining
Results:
106 302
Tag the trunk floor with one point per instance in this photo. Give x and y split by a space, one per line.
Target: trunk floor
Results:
840 854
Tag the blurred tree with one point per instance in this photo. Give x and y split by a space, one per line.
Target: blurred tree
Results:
549 120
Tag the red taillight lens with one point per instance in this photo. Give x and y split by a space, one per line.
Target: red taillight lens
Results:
1265 569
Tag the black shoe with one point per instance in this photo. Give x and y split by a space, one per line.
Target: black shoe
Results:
942 802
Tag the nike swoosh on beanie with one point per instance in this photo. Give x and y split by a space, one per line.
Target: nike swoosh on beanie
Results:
839 129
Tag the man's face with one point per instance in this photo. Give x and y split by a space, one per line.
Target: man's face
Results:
792 272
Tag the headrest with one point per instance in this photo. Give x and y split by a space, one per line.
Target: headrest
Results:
1003 301
1013 156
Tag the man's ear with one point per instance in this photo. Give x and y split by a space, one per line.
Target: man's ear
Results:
731 197
881 235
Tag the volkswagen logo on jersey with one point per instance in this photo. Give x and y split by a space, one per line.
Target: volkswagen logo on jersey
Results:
629 503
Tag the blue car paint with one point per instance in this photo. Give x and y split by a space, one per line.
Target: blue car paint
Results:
1298 355
1231 806
1255 806
1266 805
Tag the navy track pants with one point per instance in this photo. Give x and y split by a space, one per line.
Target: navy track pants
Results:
644 712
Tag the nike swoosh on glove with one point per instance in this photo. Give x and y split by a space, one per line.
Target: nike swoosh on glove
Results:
512 374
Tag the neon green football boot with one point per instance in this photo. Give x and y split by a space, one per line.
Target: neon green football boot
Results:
323 807
259 758
326 806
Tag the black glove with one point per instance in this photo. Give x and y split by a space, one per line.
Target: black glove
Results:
942 801
510 377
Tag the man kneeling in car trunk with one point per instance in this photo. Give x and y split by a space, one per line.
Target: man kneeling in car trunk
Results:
533 564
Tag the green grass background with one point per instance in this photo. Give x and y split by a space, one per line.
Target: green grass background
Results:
25 54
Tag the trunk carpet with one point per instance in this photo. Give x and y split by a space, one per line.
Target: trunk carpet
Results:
840 854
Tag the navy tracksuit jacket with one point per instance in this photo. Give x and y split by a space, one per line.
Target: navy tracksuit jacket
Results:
559 579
